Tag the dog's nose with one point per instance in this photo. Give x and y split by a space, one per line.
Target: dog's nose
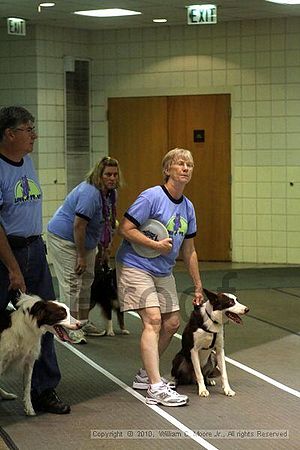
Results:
247 310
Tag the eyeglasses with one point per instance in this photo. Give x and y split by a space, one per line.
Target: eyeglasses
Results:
29 130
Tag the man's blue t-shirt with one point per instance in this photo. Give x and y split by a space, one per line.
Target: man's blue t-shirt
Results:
178 216
20 198
84 201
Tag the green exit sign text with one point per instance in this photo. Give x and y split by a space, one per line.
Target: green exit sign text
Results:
16 26
201 14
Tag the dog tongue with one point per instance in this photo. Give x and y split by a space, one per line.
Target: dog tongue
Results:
61 333
234 317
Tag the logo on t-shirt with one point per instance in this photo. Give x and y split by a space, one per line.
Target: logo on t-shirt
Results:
177 225
26 190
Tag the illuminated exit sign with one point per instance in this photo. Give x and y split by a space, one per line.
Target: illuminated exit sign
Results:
16 26
201 14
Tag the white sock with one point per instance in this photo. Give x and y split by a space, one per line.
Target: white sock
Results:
156 386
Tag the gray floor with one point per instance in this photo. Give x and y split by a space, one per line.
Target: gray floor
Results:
97 380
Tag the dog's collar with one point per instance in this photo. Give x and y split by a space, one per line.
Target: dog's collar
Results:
214 321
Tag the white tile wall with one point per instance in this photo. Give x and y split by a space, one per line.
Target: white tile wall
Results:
258 62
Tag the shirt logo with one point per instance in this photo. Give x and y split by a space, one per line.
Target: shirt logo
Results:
26 190
177 225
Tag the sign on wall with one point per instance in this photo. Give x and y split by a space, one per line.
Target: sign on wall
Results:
201 14
16 26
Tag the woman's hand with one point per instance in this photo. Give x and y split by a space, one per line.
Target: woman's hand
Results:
80 266
198 298
164 246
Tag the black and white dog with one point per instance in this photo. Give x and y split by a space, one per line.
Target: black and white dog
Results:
105 294
21 331
202 357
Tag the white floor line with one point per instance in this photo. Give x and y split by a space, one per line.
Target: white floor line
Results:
257 374
241 366
140 397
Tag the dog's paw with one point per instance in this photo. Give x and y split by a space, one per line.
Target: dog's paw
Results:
110 333
229 392
203 392
28 409
7 395
210 382
125 332
30 412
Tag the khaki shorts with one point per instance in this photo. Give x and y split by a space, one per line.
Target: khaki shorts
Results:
138 289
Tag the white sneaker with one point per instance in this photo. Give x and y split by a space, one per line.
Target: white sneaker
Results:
89 329
141 381
165 396
77 337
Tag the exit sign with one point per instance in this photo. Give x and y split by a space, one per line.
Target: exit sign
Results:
201 14
16 26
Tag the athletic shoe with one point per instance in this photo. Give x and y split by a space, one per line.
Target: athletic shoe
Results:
89 329
77 337
141 381
165 396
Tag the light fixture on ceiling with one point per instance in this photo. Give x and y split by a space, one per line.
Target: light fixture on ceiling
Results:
160 20
285 2
112 12
45 5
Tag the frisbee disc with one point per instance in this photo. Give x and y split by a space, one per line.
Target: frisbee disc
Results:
154 230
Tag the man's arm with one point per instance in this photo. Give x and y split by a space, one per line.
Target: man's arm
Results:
16 279
191 261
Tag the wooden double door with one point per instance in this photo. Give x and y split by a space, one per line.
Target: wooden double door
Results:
143 129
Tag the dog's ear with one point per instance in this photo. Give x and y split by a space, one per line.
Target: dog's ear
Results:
212 296
48 313
38 311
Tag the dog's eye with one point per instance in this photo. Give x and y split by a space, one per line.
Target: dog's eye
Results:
229 302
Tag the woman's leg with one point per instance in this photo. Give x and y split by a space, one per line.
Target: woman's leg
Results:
151 319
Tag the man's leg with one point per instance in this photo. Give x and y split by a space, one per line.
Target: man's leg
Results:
46 374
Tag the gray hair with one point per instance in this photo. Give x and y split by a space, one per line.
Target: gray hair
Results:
173 156
12 117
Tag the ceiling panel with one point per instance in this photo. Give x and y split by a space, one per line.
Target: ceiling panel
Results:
173 10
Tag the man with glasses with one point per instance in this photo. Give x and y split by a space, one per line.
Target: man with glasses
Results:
23 263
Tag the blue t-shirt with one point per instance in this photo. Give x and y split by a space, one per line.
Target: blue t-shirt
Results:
179 218
84 201
20 198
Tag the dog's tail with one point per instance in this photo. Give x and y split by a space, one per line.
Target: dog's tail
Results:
182 369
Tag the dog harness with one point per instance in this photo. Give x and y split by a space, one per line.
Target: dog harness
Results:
207 330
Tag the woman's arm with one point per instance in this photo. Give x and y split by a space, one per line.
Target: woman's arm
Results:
80 225
190 259
129 231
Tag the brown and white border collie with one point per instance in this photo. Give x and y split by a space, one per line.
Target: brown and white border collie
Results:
21 331
202 357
